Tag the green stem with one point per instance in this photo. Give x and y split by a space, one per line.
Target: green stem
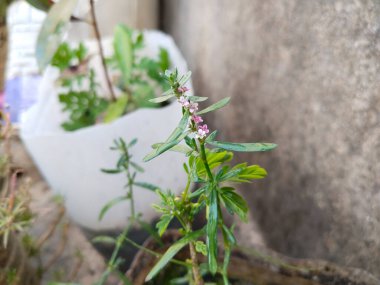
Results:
185 193
123 236
112 261
131 198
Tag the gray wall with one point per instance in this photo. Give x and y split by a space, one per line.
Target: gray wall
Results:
303 74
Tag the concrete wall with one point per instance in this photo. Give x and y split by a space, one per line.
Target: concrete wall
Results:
306 75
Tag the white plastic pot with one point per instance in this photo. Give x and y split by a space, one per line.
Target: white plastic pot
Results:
71 161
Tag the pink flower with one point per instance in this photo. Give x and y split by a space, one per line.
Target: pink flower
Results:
183 89
197 119
193 107
202 132
183 101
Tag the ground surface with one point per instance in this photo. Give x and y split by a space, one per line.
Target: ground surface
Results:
67 253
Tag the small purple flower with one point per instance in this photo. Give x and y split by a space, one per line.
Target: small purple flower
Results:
197 119
183 89
202 132
193 107
183 101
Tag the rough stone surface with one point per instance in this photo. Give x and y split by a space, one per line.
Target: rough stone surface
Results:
303 74
66 254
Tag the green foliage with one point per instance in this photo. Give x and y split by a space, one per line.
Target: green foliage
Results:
84 107
43 5
137 78
201 247
67 57
14 216
211 169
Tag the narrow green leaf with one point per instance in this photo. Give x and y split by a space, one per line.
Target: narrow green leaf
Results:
163 223
212 230
230 174
216 106
131 143
136 166
104 239
172 251
164 147
175 138
52 30
184 78
211 136
111 171
197 99
197 192
123 48
161 98
116 109
234 202
243 147
178 148
110 204
230 235
146 186
178 131
168 92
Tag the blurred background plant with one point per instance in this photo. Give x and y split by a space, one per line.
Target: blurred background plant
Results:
136 79
15 217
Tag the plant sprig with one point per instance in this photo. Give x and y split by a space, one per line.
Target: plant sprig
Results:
210 169
125 165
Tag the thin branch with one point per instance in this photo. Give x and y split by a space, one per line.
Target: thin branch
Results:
101 51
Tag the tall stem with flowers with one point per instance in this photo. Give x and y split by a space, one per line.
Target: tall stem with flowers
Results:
210 171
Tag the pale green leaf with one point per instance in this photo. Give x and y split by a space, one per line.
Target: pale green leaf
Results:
243 147
163 223
178 148
52 30
197 99
161 98
147 186
212 230
211 136
184 78
216 106
115 109
175 138
104 239
110 204
123 48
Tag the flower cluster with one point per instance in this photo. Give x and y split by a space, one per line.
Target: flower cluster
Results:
202 130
